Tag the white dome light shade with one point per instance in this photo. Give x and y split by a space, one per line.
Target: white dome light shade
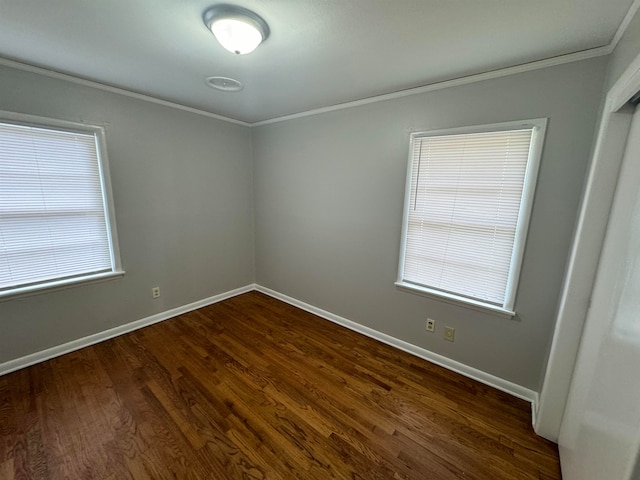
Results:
236 35
237 29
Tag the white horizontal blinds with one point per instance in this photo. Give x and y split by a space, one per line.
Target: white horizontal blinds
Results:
465 199
52 215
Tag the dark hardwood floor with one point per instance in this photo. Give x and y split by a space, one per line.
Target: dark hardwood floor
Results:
254 388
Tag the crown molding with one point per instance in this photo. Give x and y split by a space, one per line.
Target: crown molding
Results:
503 72
633 9
120 91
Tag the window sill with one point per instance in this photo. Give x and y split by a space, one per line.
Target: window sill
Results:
456 300
58 285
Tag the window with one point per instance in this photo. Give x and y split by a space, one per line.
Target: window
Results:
468 199
56 221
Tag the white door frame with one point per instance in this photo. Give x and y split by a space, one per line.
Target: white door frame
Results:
585 251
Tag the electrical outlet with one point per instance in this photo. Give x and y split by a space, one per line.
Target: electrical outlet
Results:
449 333
155 292
431 325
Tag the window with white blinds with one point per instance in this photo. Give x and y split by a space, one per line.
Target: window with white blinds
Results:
469 194
55 223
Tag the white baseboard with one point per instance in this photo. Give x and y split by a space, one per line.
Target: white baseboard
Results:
467 371
473 373
49 353
534 413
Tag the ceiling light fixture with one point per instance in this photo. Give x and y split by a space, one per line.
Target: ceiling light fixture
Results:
237 29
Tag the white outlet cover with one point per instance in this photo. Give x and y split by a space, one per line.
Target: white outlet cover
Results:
449 334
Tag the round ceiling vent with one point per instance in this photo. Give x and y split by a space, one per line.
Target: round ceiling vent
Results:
224 83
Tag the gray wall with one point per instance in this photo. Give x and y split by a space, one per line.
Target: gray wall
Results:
328 208
329 195
184 205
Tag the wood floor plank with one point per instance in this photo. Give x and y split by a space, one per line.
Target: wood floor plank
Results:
253 388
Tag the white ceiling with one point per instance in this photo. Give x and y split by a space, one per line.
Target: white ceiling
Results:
319 53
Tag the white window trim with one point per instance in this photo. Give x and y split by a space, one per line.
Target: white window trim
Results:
105 178
539 126
55 285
